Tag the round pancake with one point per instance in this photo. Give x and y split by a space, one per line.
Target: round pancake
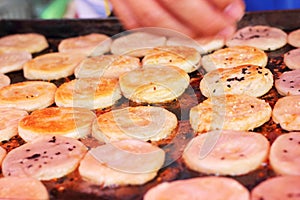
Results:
147 123
107 66
13 61
280 187
69 122
45 158
26 188
201 187
284 154
289 83
186 58
234 56
93 44
30 42
294 38
263 37
157 84
292 59
202 45
4 80
286 112
27 95
88 93
251 80
126 162
52 66
136 43
230 112
232 153
9 119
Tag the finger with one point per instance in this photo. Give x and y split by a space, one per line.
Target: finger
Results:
123 12
221 5
149 13
210 21
235 10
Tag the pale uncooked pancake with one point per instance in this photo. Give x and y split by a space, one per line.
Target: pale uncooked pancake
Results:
52 66
146 123
294 38
186 58
28 95
26 188
13 61
30 42
126 162
154 84
286 112
136 43
292 59
9 119
106 66
224 152
93 44
230 112
280 187
69 122
289 83
45 158
4 80
233 57
210 187
284 154
202 45
251 80
88 93
266 38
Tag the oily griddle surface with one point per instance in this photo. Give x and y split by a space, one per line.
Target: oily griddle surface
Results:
72 186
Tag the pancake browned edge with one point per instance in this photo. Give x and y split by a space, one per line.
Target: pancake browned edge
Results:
73 187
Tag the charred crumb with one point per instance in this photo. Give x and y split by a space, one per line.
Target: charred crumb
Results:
70 149
284 151
291 138
57 153
29 166
253 36
229 86
53 140
34 156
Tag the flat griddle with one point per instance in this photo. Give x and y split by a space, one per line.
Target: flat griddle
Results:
72 186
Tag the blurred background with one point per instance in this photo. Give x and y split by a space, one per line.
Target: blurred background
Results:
56 9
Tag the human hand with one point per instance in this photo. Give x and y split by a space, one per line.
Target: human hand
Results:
195 18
